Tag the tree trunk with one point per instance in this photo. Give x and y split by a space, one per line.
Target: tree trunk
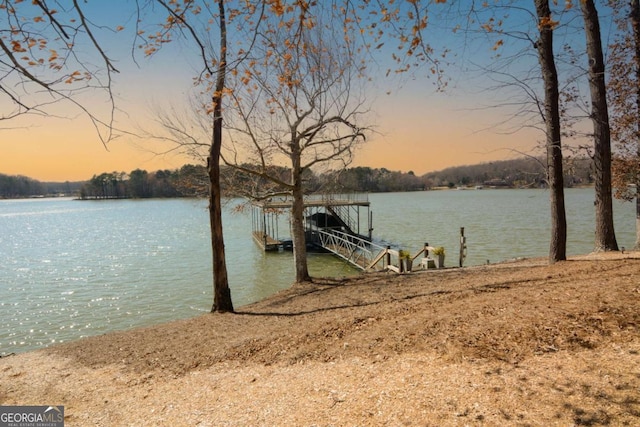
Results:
221 292
635 25
605 234
558 246
637 245
297 217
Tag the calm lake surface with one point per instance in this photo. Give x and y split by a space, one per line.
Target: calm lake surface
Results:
72 268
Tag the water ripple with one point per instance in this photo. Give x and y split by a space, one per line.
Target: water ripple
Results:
72 269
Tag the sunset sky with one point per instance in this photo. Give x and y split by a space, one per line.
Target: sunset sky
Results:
417 129
417 132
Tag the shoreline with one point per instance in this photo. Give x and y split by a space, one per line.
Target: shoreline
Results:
519 342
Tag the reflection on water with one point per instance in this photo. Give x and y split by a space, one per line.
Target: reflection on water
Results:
72 269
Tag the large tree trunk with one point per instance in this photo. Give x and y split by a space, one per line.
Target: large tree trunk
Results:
297 218
635 25
605 234
221 292
558 245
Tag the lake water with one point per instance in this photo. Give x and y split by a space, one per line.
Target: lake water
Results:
77 268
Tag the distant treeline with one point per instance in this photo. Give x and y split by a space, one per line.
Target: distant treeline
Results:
188 181
192 180
526 172
17 186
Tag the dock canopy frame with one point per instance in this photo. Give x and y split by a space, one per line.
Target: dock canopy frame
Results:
322 212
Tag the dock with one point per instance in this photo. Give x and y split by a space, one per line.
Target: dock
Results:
346 213
334 223
268 243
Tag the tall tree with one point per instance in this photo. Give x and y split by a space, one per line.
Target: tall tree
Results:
297 102
544 45
624 99
635 25
604 232
221 293
193 20
500 22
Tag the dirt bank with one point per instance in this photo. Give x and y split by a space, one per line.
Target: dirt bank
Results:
519 343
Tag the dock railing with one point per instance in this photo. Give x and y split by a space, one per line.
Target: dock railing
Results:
360 252
337 199
368 256
356 250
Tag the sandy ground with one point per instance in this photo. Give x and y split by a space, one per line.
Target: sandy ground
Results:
520 343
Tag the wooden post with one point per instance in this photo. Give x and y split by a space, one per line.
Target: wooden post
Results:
463 246
264 229
388 255
426 251
370 225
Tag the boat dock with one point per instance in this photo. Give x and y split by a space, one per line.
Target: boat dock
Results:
334 223
347 213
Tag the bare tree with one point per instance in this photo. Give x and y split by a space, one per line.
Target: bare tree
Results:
624 99
281 79
562 99
194 21
558 245
48 54
296 102
509 21
604 233
221 293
